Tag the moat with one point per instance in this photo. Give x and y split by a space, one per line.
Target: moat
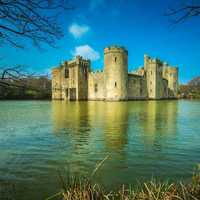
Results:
142 138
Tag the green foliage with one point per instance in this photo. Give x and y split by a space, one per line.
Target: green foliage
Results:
189 91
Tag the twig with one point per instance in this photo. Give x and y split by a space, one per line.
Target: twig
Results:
53 196
99 165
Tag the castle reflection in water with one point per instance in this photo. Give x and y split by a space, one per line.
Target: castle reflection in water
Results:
115 122
134 134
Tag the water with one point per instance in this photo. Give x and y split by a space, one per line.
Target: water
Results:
142 138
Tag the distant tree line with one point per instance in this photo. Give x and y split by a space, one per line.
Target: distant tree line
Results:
15 83
190 90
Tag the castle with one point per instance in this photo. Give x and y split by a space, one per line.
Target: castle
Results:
74 79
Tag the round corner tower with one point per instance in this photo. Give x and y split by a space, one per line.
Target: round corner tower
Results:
116 73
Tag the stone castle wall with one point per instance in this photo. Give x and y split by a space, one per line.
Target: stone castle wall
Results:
171 75
116 73
136 87
74 80
159 83
56 84
96 90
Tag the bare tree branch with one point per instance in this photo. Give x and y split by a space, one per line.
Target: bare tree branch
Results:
184 12
35 20
18 77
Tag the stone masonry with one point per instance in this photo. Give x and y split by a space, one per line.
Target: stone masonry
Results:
74 79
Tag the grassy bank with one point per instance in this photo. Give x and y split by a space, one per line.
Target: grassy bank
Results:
83 189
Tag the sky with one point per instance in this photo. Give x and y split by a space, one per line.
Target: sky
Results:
140 26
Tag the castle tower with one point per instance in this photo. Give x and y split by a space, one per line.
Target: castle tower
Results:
77 78
153 68
82 78
116 73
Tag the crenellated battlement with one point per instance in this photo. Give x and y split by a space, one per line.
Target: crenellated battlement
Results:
172 69
74 79
149 59
115 49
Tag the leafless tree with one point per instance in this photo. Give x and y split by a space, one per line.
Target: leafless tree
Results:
14 77
18 78
184 11
35 20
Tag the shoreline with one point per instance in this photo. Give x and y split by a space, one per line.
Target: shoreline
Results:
83 189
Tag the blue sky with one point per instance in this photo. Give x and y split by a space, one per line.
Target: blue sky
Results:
140 26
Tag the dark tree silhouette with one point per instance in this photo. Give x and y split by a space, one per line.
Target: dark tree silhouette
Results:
35 20
16 77
184 11
16 82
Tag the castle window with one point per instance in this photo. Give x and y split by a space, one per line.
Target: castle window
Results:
115 84
66 73
115 59
95 87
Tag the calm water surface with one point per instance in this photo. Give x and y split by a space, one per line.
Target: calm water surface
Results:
143 139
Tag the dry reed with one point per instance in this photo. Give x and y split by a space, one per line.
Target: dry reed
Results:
83 189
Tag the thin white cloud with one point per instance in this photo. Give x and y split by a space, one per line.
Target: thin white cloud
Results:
86 52
78 30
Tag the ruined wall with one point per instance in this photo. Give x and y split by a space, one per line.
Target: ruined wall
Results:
171 74
83 71
150 66
56 84
96 90
136 87
161 88
68 78
165 88
160 82
140 71
73 80
116 73
156 85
